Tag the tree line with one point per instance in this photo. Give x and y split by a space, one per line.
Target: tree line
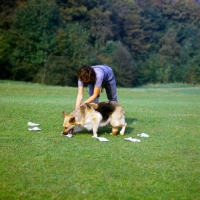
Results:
152 41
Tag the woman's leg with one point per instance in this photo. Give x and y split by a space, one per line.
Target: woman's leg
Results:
110 88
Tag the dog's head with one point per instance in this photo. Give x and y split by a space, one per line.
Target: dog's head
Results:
77 117
68 124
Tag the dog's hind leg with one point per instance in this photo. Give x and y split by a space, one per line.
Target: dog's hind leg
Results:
123 129
114 130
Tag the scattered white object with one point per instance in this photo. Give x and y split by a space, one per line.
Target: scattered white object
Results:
143 135
102 139
69 135
34 129
132 139
32 124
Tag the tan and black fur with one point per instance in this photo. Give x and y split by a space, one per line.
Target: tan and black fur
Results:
92 116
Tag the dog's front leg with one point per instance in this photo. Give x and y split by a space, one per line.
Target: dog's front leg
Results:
94 131
95 127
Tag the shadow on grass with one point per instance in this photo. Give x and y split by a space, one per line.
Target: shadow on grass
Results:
108 129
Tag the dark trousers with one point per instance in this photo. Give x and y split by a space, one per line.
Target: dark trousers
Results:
109 84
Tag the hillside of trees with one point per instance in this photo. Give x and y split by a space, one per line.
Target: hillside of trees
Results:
151 41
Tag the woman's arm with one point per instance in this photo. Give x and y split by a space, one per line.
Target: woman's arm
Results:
79 96
94 96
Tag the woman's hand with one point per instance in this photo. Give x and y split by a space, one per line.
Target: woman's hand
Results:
94 96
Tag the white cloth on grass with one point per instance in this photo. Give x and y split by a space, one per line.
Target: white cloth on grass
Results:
132 139
143 135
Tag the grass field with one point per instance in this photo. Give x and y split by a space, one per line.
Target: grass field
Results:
44 165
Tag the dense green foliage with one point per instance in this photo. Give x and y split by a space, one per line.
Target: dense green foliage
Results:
153 41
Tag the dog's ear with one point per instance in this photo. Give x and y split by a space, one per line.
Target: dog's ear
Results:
64 114
72 120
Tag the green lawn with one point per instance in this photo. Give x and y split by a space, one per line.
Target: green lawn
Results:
44 165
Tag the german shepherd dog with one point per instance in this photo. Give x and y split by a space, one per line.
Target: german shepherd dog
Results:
92 116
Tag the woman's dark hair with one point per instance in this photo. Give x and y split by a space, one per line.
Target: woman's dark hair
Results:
86 74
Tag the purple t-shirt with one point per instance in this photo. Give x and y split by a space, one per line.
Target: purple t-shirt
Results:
101 72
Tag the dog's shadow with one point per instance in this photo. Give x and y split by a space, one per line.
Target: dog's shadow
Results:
129 128
130 123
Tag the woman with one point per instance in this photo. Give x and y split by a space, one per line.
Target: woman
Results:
96 77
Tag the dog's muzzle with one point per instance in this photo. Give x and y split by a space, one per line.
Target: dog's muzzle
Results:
66 133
